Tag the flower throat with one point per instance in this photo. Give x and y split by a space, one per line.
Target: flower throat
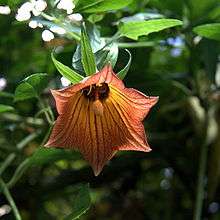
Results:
96 93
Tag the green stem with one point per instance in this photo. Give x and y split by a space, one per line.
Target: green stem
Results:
51 114
136 44
19 146
47 135
182 87
200 186
25 164
7 162
27 139
200 192
10 199
37 122
48 17
48 115
19 172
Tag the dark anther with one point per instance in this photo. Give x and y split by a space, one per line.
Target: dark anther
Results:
103 91
94 92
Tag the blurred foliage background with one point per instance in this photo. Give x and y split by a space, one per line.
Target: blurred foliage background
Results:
180 64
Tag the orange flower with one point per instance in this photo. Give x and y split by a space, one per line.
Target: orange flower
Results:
100 116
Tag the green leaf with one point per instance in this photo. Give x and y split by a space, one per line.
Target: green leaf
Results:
88 58
6 108
211 31
94 6
67 72
121 74
49 155
137 28
31 86
201 9
6 94
141 16
81 204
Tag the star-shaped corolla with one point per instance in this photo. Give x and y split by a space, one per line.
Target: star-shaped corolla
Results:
100 116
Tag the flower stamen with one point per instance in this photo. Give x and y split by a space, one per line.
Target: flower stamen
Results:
96 92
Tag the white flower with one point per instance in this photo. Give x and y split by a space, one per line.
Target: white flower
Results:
75 17
3 83
4 210
47 35
5 10
27 6
40 25
58 30
24 12
40 5
23 16
36 7
36 12
67 5
65 81
33 24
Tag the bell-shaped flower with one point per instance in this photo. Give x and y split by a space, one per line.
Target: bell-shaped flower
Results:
100 116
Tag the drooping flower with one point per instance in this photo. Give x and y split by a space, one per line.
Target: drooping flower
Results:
100 116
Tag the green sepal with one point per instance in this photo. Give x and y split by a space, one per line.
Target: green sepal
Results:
87 55
67 72
122 73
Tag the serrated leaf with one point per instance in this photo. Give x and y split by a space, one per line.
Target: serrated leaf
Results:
67 72
88 58
121 74
211 31
94 6
138 28
31 86
6 108
81 204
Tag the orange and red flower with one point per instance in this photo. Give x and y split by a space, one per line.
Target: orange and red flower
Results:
100 116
